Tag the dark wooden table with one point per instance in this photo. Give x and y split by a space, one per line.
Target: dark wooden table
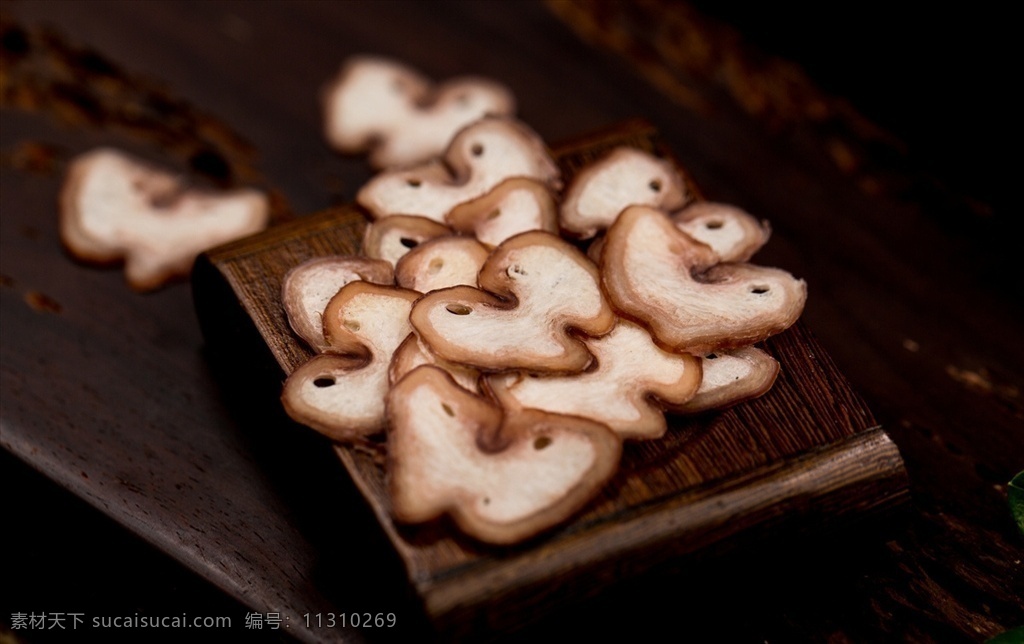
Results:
113 397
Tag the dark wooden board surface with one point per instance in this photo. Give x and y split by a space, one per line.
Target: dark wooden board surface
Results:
914 293
807 456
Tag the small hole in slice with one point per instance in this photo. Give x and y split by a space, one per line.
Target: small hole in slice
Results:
711 356
324 381
487 500
655 185
759 290
448 409
458 309
714 224
413 182
494 214
409 242
477 149
435 265
541 442
351 325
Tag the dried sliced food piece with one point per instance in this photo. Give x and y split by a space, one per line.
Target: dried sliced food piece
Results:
115 206
732 377
440 263
502 477
515 206
413 353
481 156
398 115
341 393
536 293
308 287
625 177
337 395
731 232
657 274
631 384
392 237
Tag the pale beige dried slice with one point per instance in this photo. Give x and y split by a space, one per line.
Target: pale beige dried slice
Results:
657 274
502 477
115 206
625 177
335 395
482 155
412 353
398 115
536 293
308 287
731 232
392 237
440 263
516 205
731 377
632 383
341 394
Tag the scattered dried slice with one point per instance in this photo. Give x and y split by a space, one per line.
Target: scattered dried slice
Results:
115 206
502 477
398 115
440 263
731 232
308 287
341 394
625 177
481 156
659 275
536 288
516 205
632 383
732 377
392 237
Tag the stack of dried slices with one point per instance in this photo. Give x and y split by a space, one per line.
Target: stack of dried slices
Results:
508 332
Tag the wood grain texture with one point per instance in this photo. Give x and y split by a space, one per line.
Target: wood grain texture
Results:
807 451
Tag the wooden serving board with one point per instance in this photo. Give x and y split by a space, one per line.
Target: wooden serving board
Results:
807 455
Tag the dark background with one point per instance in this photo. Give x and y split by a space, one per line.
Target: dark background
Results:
937 77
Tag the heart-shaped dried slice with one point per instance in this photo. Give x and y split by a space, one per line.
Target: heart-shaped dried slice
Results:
412 353
502 477
632 382
308 287
480 157
398 115
536 292
657 274
392 237
440 263
732 233
624 177
114 206
731 377
515 206
341 394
